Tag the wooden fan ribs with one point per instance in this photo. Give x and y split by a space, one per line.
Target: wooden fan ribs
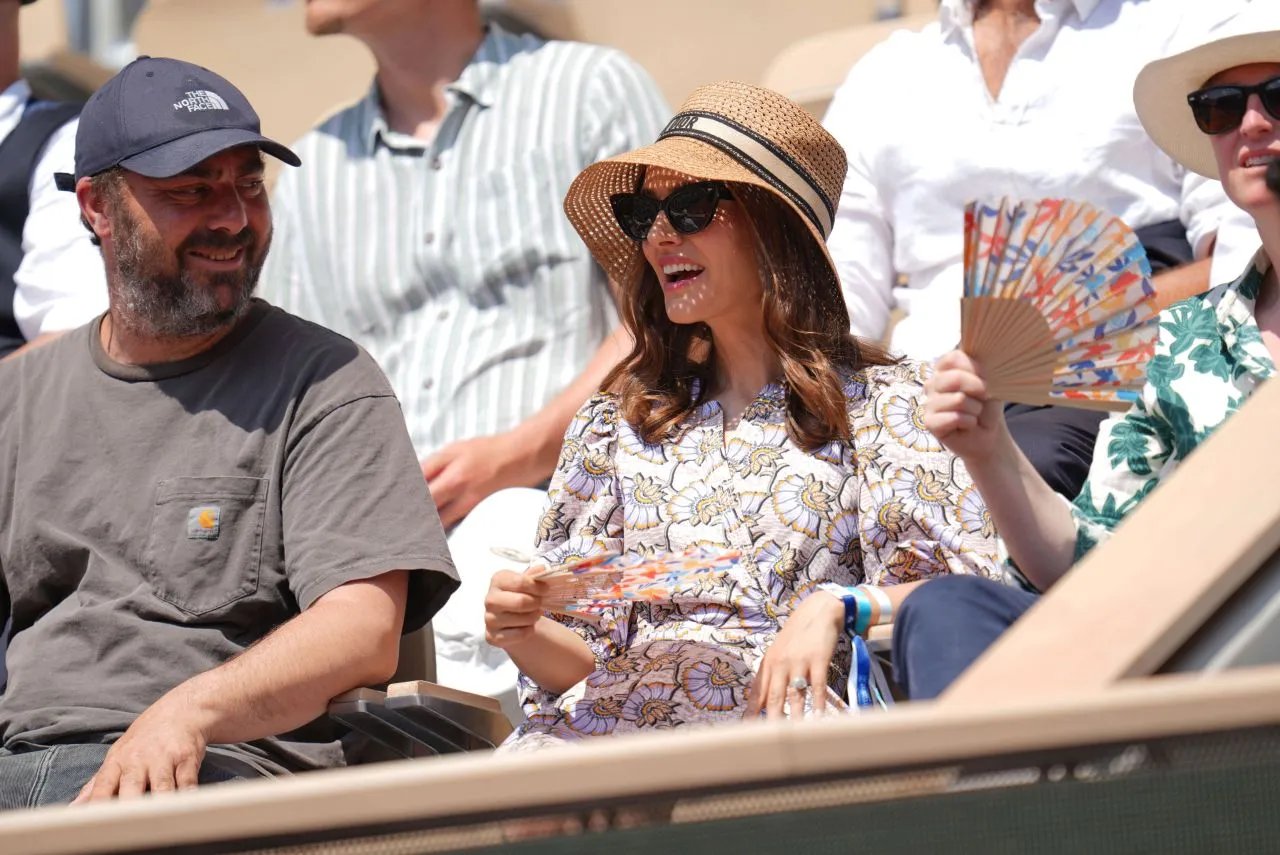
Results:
1058 305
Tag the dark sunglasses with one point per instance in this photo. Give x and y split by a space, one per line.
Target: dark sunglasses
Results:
1220 109
689 209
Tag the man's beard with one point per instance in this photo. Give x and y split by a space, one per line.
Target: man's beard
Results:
157 295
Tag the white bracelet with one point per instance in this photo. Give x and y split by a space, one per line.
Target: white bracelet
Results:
883 603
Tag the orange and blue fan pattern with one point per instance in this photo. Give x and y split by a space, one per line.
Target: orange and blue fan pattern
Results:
593 583
1085 273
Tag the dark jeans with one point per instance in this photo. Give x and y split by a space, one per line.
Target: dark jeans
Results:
32 776
1058 441
945 625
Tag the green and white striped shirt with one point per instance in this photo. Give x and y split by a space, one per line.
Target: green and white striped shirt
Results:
452 262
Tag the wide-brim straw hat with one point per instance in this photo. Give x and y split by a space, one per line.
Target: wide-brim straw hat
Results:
731 132
1161 90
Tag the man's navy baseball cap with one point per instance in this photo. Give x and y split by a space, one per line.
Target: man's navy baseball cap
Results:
159 117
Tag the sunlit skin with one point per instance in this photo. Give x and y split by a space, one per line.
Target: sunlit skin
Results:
329 17
728 293
224 194
213 220
1258 135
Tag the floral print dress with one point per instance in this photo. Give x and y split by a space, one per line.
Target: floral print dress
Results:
893 506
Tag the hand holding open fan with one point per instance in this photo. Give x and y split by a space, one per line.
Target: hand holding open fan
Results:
1058 303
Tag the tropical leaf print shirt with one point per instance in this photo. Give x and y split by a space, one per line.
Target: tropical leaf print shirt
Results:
893 506
1208 359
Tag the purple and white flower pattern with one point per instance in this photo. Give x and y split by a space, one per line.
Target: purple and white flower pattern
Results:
890 506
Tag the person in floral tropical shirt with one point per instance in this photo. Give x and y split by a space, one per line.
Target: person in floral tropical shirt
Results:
747 417
1216 110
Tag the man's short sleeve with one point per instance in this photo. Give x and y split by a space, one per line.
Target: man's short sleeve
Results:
355 505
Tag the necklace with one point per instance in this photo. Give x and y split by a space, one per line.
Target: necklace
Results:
732 424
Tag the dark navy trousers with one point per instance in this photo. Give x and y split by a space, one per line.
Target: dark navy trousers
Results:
945 625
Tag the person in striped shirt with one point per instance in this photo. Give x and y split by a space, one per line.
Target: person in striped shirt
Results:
427 227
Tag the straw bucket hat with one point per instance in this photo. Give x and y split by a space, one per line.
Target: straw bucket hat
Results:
730 132
1161 90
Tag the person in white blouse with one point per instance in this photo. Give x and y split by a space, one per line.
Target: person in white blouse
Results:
51 276
1021 98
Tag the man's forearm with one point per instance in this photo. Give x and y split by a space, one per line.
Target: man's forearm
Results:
348 638
1179 283
541 435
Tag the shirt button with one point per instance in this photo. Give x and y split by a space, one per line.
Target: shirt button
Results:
436 163
443 316
429 237
428 383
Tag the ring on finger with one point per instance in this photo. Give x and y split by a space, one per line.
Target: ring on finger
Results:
799 684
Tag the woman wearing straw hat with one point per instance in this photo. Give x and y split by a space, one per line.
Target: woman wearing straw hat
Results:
1216 110
746 417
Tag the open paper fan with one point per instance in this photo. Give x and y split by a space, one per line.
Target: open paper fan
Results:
600 581
1058 303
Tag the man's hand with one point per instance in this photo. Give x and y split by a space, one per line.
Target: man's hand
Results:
161 751
464 473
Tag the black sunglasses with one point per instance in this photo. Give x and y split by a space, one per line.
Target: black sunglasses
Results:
689 209
1220 109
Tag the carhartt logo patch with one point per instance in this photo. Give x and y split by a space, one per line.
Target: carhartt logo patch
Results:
203 522
201 99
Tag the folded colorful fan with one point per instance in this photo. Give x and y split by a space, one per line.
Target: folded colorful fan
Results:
1058 303
604 580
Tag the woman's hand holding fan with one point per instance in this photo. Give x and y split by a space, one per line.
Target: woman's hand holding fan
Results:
1058 304
960 411
513 606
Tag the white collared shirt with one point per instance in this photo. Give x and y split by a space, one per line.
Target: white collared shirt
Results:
924 137
61 282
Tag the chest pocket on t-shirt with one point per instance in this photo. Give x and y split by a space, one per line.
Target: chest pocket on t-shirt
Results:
205 546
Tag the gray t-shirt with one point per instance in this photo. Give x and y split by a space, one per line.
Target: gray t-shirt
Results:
156 521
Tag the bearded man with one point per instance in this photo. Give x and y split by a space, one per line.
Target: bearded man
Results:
211 520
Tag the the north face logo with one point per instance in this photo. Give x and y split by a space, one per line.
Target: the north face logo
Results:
201 99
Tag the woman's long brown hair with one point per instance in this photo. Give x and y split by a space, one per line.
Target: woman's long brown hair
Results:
805 323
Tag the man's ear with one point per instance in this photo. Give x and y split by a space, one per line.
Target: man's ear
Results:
94 206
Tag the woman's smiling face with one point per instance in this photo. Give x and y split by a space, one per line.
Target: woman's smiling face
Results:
710 275
1243 153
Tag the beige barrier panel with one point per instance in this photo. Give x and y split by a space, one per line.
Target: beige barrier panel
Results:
1133 601
291 78
759 752
42 30
810 71
686 44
